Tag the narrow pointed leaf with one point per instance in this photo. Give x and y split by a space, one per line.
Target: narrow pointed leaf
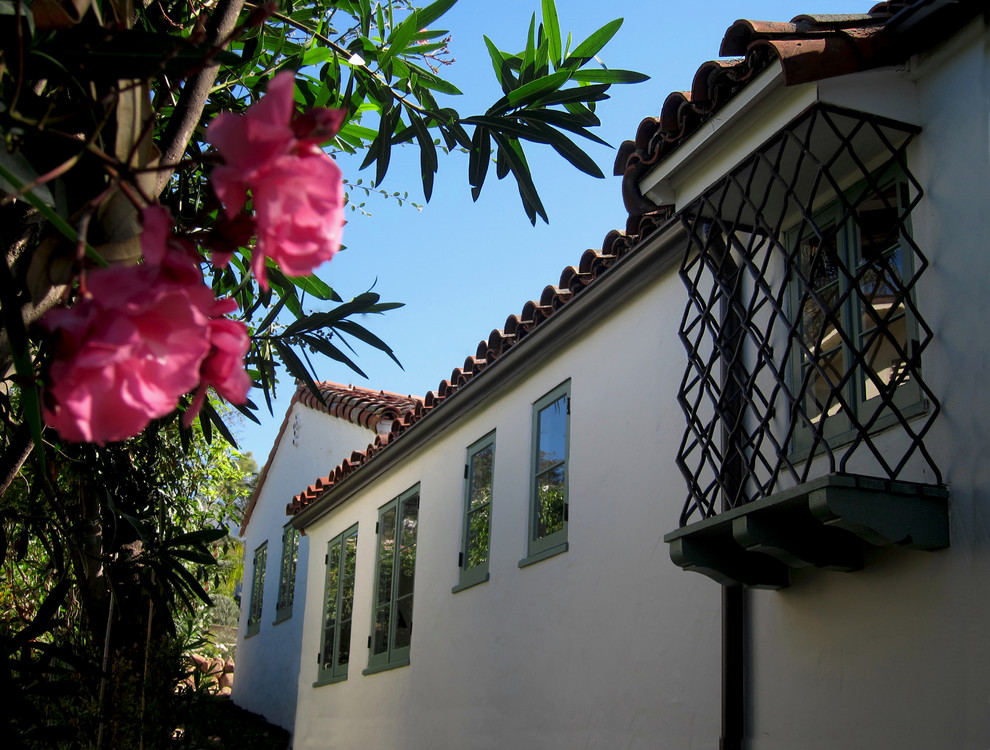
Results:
592 45
524 179
427 153
433 11
606 75
480 157
552 27
360 332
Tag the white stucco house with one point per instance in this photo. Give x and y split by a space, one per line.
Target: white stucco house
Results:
774 378
317 432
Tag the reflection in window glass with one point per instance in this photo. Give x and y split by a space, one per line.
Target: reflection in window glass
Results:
257 588
287 569
338 607
479 478
396 567
551 452
548 488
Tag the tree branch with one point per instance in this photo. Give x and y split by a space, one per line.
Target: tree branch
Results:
196 91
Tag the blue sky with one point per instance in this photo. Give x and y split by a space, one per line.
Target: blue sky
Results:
461 267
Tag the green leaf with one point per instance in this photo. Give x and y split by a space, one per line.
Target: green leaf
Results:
581 94
327 349
528 68
552 28
363 303
317 55
212 415
427 153
606 75
292 364
503 72
561 120
508 126
480 158
364 6
534 91
432 12
400 37
516 162
360 332
315 286
592 45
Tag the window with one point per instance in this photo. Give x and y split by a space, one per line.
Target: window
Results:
479 472
257 588
287 573
338 607
548 489
392 616
856 332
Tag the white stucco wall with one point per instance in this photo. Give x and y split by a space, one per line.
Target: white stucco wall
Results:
605 646
609 645
897 655
267 663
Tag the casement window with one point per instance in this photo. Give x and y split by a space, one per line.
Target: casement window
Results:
479 474
857 335
338 608
548 508
395 570
257 588
287 573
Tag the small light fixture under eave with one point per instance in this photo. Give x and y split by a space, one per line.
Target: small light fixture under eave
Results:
761 110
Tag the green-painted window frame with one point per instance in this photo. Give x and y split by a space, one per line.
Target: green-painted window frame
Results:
479 487
338 608
287 573
395 570
256 602
548 535
908 396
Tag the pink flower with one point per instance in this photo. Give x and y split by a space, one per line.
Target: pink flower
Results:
299 212
223 367
136 341
296 187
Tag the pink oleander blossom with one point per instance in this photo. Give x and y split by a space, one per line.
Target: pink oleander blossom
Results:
223 368
135 342
295 186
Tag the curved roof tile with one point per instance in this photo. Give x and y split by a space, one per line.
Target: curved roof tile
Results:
362 406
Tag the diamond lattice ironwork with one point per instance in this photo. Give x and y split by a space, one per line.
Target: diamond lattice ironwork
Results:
803 334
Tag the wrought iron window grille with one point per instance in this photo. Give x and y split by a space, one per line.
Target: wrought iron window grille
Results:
801 272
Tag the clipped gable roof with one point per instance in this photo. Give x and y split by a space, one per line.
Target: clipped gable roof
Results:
374 410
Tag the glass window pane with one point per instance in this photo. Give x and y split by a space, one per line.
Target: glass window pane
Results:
552 434
344 648
550 502
883 332
410 519
379 643
403 622
477 545
481 476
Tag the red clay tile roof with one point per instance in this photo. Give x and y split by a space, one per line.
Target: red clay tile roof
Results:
808 48
572 281
375 410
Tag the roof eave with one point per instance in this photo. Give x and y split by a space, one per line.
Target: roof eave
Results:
618 286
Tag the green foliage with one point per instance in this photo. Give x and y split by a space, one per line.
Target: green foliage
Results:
120 557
